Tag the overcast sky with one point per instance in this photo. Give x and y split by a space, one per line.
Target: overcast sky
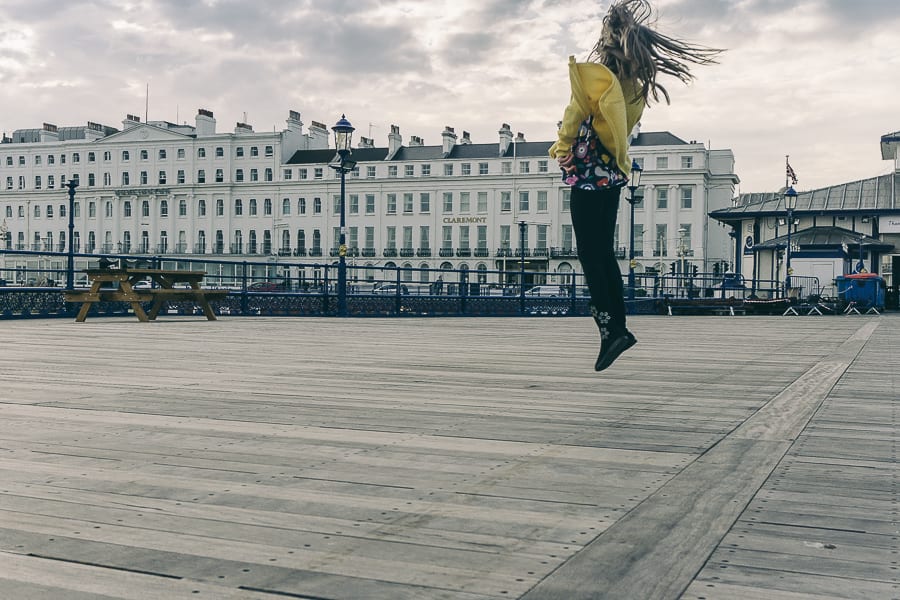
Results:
815 79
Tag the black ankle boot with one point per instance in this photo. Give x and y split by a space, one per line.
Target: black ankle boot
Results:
612 348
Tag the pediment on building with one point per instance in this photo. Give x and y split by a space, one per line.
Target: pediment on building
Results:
144 133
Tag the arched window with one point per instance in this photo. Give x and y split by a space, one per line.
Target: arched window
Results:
145 208
482 273
301 239
163 208
407 274
564 273
126 242
424 275
286 206
126 208
286 240
201 208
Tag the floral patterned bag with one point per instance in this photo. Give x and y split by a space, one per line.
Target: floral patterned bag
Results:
592 166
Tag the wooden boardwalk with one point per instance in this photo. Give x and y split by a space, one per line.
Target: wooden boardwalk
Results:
464 459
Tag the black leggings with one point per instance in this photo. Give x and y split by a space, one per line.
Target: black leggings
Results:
594 222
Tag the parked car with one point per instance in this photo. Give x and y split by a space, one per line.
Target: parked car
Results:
263 286
145 284
548 291
390 289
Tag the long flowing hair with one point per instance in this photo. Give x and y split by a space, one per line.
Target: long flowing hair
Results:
633 50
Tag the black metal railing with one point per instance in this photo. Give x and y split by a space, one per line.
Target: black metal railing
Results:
31 284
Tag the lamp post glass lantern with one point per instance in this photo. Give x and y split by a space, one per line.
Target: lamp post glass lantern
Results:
343 138
633 184
790 203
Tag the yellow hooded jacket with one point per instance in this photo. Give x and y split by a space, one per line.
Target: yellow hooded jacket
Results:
596 91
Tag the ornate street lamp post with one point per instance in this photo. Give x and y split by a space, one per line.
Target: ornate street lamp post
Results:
790 203
70 267
343 137
633 185
523 232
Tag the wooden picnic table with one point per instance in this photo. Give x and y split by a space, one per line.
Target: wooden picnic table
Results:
119 287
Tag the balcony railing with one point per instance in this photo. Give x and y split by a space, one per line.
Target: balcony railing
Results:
199 248
541 252
237 248
445 252
299 251
315 251
504 252
423 252
463 252
407 252
368 252
389 252
563 252
482 253
284 252
181 248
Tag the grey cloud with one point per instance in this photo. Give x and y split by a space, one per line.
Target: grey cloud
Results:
360 48
744 21
469 48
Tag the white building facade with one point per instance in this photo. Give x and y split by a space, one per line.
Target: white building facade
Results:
189 191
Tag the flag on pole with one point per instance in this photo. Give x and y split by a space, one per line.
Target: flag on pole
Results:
789 172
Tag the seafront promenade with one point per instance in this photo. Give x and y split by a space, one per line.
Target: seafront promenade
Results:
449 458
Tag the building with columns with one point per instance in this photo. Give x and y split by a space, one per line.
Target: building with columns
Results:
191 191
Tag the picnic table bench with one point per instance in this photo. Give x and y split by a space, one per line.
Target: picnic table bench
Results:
117 285
715 306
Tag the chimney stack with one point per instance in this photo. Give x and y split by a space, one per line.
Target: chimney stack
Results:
449 137
205 123
506 138
394 141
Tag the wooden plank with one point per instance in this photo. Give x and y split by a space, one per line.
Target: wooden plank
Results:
712 492
428 458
